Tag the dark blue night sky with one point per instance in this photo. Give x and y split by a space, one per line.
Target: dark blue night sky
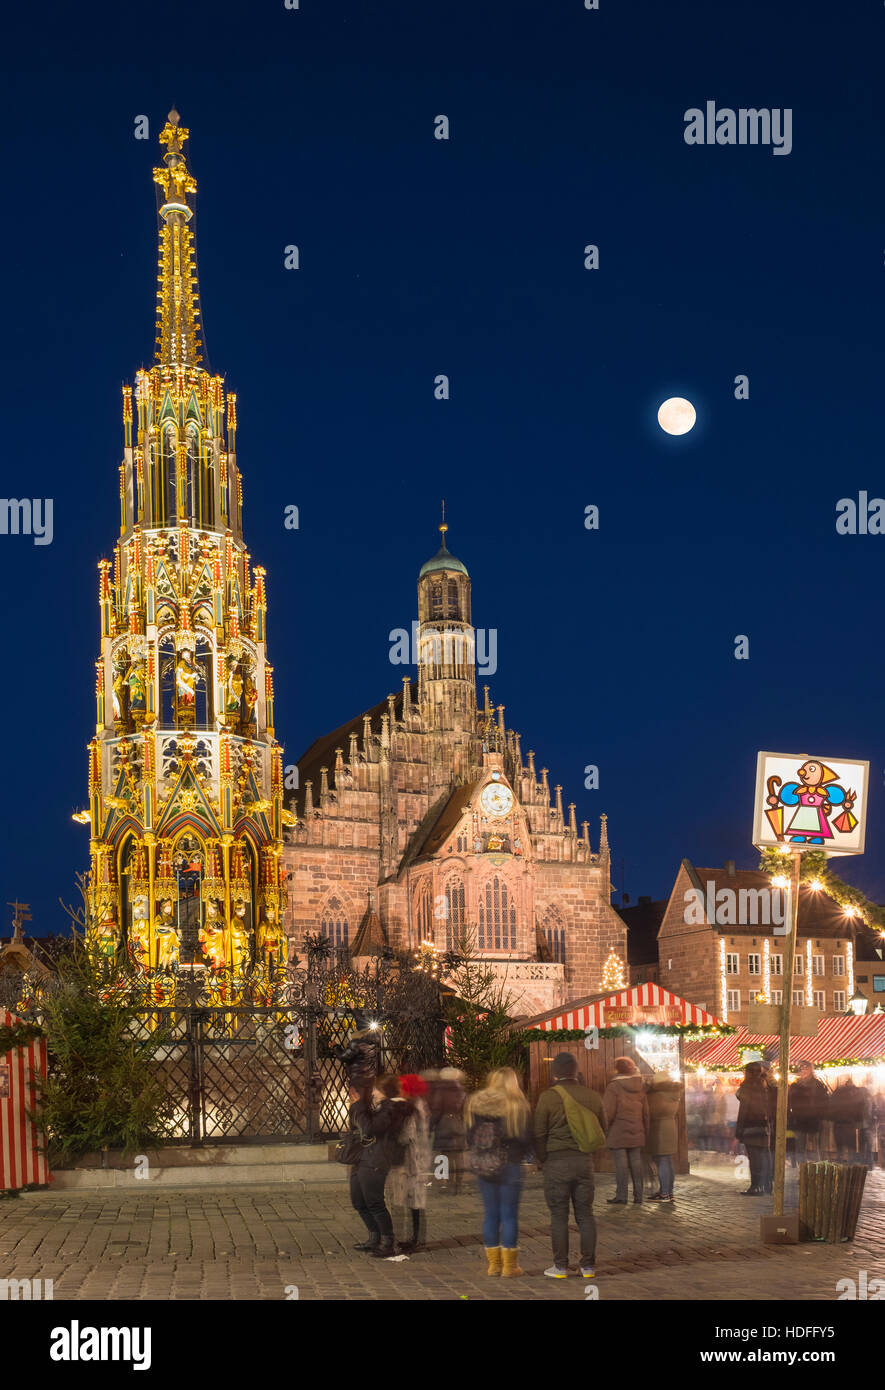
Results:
465 257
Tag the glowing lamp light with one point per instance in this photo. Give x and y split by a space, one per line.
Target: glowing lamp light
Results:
850 911
815 885
780 881
858 1003
373 1024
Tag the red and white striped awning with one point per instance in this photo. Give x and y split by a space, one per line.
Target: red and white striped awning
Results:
21 1074
648 1003
855 1038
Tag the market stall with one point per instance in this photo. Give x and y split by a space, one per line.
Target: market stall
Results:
845 1047
647 1023
22 1069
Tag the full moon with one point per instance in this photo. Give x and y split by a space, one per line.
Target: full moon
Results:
676 416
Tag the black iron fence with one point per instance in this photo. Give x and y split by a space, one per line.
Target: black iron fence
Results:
252 1075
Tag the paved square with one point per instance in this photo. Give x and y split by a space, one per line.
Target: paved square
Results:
257 1243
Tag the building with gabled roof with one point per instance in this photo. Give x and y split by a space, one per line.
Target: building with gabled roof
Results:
721 943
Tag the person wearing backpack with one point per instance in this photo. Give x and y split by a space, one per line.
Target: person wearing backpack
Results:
498 1121
569 1127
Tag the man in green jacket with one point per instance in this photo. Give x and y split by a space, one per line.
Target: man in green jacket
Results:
568 1172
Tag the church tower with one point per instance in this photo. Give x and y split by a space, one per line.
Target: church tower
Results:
185 773
446 644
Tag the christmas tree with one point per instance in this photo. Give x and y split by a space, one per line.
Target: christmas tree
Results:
613 972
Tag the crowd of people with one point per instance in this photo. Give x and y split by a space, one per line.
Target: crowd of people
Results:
413 1131
410 1132
729 1114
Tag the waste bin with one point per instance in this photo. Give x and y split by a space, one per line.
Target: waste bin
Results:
830 1195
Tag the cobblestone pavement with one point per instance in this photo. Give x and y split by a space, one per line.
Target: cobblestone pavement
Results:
256 1243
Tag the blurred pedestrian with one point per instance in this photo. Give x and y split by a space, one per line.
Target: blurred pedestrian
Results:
807 1108
626 1119
569 1125
850 1110
447 1118
757 1098
664 1097
408 1179
498 1128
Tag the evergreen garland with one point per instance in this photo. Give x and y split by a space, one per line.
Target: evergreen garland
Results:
17 1035
814 867
623 1030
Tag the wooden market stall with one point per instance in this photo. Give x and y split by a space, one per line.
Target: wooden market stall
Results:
22 1070
845 1045
647 1023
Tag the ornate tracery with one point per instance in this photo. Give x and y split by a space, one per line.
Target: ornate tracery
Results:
185 773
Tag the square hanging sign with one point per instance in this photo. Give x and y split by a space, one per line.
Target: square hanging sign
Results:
804 801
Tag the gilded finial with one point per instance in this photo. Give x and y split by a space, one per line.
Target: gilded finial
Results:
443 527
178 309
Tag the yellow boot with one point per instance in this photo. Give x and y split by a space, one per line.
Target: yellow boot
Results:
494 1258
510 1260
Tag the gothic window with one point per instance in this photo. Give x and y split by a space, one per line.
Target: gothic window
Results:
436 600
453 598
554 933
170 494
497 917
454 913
193 478
335 926
188 865
424 914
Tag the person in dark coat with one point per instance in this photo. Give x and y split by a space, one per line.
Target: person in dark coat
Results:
664 1098
447 1120
372 1117
757 1099
850 1110
359 1057
807 1111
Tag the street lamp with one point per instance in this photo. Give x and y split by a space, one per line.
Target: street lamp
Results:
858 1003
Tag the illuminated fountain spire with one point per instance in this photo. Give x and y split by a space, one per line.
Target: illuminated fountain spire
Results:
178 295
185 771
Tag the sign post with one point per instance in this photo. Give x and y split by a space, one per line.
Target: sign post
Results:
803 803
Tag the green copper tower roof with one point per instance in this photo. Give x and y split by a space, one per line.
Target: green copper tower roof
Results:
443 559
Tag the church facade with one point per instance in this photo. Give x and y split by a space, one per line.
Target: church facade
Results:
419 825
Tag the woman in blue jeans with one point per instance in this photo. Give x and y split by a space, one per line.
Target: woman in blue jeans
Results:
498 1122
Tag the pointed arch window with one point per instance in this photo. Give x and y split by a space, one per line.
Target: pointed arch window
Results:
554 934
436 600
336 928
454 913
424 913
497 917
453 604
